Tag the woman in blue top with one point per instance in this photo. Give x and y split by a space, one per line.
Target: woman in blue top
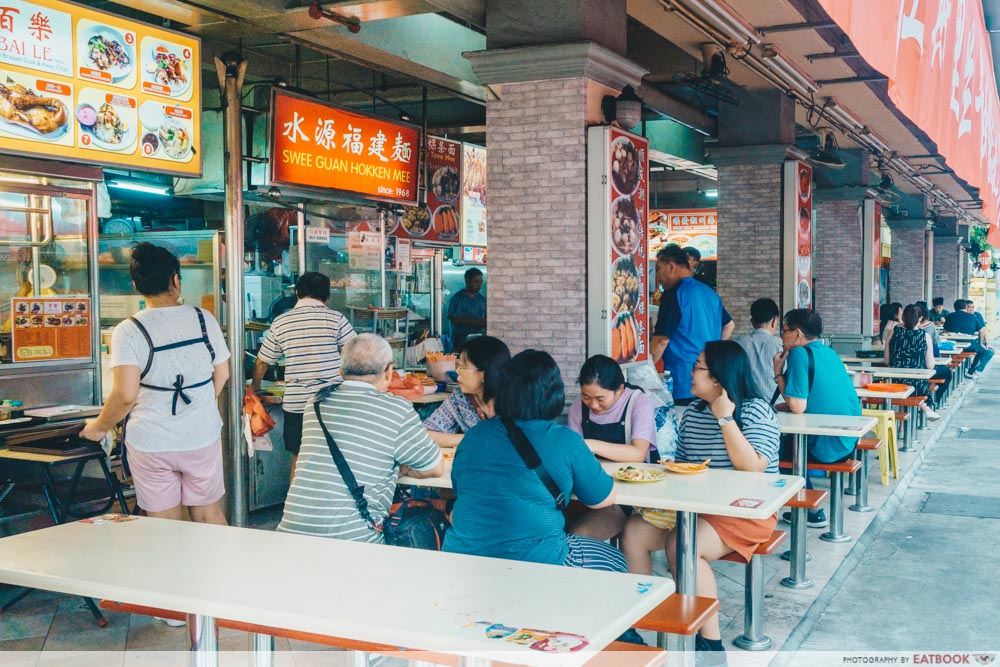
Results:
478 368
504 509
735 431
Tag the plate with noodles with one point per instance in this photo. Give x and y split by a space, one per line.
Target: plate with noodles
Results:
638 475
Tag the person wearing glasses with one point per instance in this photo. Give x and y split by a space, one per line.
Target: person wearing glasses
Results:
813 380
479 365
380 437
737 431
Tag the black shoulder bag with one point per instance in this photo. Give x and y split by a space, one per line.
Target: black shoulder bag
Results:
411 523
531 459
812 373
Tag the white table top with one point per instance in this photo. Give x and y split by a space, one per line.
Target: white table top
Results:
868 393
839 425
407 597
904 373
957 336
710 492
877 361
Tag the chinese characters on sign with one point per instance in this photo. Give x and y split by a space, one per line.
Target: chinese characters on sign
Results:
697 228
97 88
318 145
441 219
628 169
47 328
474 222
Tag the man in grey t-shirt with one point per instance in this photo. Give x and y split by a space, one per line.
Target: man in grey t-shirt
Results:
761 345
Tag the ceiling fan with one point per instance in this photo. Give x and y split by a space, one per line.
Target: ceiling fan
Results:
886 192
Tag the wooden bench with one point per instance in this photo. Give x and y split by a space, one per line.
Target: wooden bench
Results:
639 655
837 472
753 637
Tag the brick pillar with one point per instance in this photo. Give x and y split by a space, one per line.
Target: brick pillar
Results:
536 133
947 268
750 221
906 272
838 259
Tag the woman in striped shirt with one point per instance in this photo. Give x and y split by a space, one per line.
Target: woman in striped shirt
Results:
736 432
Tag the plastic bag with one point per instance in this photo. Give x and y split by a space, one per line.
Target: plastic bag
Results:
644 375
260 421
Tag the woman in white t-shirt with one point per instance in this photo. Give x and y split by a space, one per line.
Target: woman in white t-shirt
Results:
169 366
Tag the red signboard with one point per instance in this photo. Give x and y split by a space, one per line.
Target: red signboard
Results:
628 179
441 220
804 236
937 56
316 145
697 228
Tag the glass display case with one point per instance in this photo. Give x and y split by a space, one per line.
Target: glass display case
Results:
200 258
45 236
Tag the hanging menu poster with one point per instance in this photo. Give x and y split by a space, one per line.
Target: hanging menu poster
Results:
797 237
82 85
628 177
697 228
48 328
473 195
441 220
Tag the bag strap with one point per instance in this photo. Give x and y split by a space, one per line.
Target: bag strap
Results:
357 491
627 416
531 459
812 376
149 340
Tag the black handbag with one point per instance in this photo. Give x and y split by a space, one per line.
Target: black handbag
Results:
416 524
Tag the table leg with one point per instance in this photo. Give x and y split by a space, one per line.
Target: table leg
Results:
263 650
687 574
797 570
204 642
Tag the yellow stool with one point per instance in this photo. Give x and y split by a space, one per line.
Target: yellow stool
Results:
885 429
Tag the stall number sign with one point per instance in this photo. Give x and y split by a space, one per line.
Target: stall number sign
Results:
319 146
48 328
318 235
92 87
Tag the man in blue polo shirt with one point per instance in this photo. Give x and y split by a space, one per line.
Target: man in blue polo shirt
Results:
691 314
814 380
966 320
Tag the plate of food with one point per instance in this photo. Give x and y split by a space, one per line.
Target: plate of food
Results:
626 168
105 49
624 286
416 220
625 225
105 126
446 222
706 244
639 475
25 113
169 65
446 184
684 468
175 138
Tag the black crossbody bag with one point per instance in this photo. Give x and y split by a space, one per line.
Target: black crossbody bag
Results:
531 459
411 523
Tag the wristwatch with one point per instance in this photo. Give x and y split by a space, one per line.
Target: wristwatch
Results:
725 420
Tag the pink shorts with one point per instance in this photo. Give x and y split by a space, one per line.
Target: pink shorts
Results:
167 479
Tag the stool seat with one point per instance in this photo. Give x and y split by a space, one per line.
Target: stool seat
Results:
767 548
810 499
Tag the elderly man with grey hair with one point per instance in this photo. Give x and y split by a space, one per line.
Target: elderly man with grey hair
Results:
380 436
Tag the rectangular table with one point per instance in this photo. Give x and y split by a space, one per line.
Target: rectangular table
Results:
365 592
802 426
711 492
904 373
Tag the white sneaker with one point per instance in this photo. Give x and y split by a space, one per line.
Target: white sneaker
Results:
932 416
171 622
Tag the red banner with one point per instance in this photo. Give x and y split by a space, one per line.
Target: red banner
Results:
441 219
937 56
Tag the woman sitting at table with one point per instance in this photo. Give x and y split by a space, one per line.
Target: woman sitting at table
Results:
618 423
478 369
735 431
909 346
891 315
503 507
940 372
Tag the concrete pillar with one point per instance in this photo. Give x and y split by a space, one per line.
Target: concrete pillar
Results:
547 95
907 270
839 258
948 258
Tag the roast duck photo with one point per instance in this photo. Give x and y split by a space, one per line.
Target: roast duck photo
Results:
24 107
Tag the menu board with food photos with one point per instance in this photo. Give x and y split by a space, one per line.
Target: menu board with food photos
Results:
48 328
798 236
696 228
441 220
617 179
83 85
473 195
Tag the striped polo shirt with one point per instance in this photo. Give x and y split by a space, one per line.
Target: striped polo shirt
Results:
377 432
700 437
311 336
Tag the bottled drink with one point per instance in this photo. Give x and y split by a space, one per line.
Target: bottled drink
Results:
668 382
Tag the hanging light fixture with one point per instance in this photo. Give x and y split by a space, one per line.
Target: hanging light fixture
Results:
827 153
626 108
